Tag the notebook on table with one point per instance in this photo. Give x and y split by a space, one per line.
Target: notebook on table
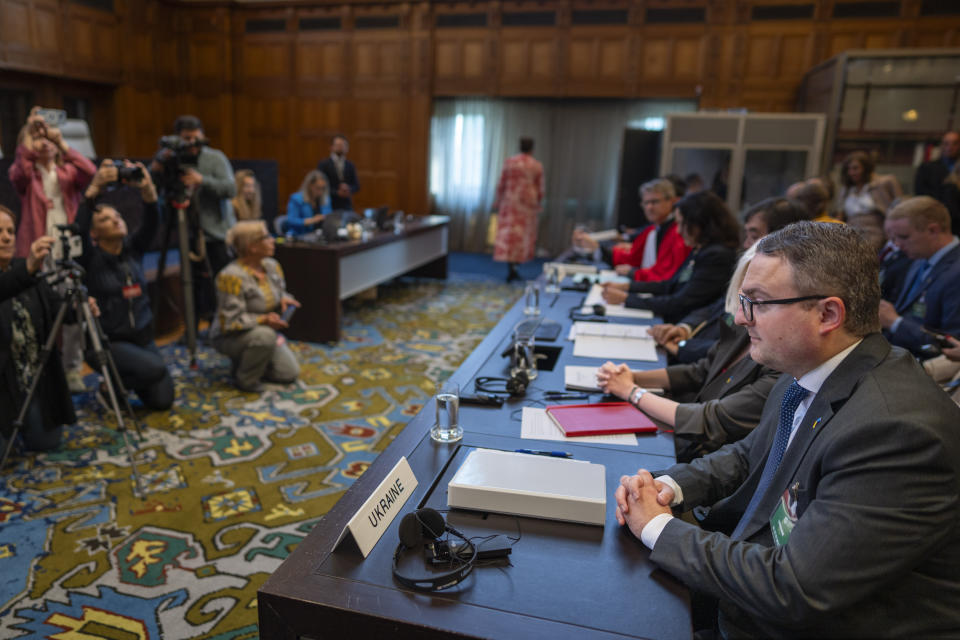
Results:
600 419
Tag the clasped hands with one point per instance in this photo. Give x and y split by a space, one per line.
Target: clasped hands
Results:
640 498
615 379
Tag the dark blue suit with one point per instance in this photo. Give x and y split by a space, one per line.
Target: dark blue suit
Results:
936 305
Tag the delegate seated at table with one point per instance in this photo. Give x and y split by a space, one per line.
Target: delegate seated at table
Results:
712 232
715 400
251 298
307 208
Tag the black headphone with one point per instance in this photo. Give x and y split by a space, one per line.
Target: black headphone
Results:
597 313
423 528
515 385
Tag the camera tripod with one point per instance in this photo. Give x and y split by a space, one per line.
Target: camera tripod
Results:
71 275
179 205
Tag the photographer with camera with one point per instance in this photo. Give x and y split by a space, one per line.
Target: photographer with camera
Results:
50 177
27 309
116 280
191 172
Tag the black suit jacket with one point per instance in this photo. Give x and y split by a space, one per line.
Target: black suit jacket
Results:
52 395
700 280
728 395
930 181
333 179
875 470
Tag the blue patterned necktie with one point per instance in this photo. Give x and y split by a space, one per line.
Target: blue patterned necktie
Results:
791 400
922 266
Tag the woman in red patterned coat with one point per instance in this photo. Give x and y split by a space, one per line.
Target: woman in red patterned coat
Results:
519 194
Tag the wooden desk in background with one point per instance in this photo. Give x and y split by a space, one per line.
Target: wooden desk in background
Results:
321 275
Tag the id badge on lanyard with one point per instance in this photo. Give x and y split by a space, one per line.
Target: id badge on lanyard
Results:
131 291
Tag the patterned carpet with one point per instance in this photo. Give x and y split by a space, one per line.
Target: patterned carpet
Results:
234 480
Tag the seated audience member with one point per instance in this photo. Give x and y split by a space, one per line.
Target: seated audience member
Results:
658 250
862 188
839 515
812 195
929 298
251 298
694 183
893 263
945 368
247 204
708 228
307 208
691 339
28 307
713 401
933 177
115 278
769 215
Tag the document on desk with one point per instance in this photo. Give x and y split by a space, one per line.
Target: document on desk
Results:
605 275
580 378
616 345
616 310
537 425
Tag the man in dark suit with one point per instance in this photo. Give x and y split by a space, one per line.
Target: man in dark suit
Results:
931 176
341 175
928 297
839 515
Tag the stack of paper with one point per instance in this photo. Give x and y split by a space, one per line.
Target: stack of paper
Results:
580 378
530 485
617 310
613 341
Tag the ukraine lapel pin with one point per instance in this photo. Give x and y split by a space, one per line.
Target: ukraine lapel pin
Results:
816 422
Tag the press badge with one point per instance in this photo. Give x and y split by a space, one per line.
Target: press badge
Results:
784 516
919 308
131 291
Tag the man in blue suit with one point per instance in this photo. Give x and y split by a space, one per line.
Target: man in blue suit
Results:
929 297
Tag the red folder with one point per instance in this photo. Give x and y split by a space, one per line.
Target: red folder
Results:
600 419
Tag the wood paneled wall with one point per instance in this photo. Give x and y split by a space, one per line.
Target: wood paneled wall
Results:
278 79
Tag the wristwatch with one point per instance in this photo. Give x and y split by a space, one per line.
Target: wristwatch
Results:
635 394
682 344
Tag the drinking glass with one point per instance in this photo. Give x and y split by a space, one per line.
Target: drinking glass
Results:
447 427
531 297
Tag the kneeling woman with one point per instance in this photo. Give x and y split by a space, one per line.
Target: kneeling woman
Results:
251 298
27 310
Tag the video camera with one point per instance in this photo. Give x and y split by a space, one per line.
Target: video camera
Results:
184 154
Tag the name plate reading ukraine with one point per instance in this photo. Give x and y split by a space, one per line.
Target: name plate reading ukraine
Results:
374 517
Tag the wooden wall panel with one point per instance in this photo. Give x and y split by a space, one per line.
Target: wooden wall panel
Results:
276 90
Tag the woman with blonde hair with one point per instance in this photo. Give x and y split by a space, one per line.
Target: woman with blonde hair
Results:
251 302
309 206
248 203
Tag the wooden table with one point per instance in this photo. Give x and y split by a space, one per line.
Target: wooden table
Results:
321 275
566 580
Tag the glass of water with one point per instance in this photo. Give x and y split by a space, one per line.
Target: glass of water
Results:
531 297
553 281
447 427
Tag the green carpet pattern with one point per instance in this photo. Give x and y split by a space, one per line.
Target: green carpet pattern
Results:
234 480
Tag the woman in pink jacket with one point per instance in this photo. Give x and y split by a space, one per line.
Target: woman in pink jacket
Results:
50 178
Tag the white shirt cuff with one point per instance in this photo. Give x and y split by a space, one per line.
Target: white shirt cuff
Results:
677 491
896 324
651 532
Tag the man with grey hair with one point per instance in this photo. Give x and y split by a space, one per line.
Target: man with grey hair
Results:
839 515
657 251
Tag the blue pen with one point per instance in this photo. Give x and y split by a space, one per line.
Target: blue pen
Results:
552 454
